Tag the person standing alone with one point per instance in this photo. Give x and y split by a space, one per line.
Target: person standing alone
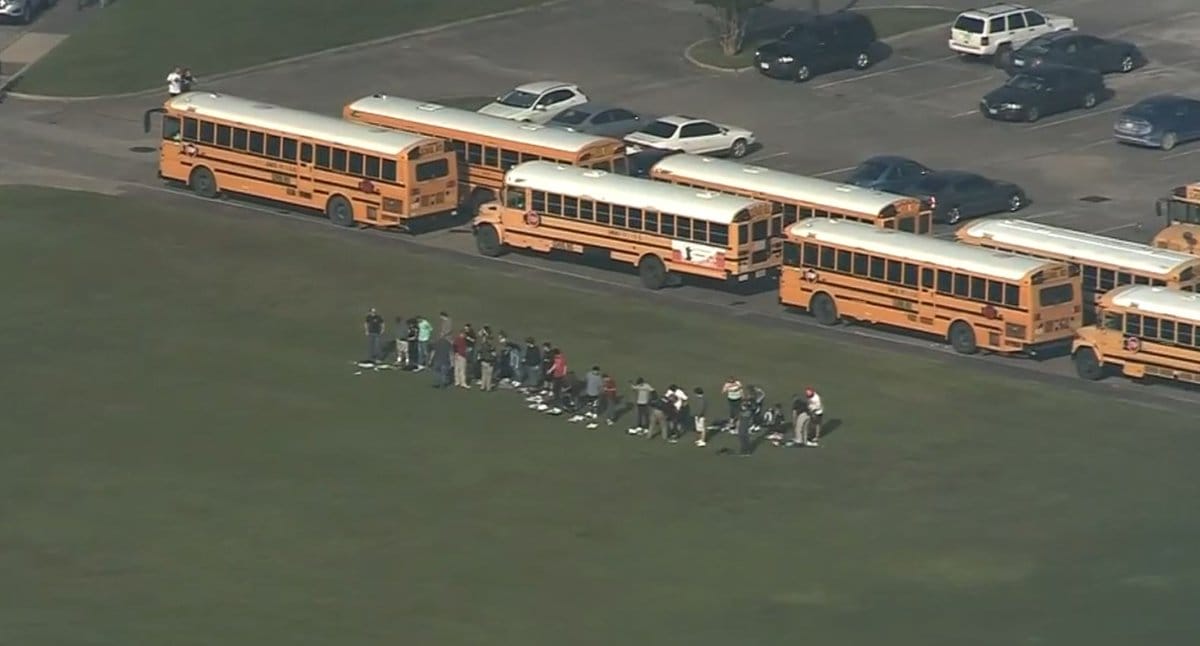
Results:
373 327
699 408
816 413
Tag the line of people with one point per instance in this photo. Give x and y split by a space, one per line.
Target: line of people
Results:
467 357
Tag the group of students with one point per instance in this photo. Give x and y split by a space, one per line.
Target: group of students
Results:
180 80
468 357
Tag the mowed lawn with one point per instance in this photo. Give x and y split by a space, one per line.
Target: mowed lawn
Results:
135 43
187 458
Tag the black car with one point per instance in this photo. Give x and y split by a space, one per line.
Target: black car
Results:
1077 50
823 43
1159 122
954 195
890 173
1045 90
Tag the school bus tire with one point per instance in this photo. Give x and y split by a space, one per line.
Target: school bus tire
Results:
823 309
653 272
962 338
1088 365
202 182
340 211
487 240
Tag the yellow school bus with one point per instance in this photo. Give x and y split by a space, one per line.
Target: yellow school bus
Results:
795 196
355 174
1104 263
1143 332
488 146
1181 215
974 298
657 227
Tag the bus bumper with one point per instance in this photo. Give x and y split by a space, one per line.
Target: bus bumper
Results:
1049 349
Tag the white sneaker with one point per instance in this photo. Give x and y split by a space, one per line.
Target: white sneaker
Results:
610 422
532 407
634 431
575 418
593 425
701 443
542 407
811 443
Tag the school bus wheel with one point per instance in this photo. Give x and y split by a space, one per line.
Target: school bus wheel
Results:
1087 364
488 241
823 309
202 182
653 272
339 211
962 337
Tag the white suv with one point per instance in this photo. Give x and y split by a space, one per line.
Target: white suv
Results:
999 29
537 102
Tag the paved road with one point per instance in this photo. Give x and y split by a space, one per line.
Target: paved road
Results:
920 101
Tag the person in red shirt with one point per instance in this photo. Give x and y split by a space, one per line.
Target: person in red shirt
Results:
460 360
608 398
557 373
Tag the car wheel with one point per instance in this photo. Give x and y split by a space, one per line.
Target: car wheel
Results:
1089 100
1168 141
803 73
1016 202
1003 56
953 215
1032 114
1127 64
738 149
862 61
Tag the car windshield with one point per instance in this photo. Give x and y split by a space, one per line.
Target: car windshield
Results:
660 129
794 32
931 184
868 170
571 117
1034 47
518 99
969 24
1149 109
1025 82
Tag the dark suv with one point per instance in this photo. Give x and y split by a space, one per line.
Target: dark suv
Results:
822 43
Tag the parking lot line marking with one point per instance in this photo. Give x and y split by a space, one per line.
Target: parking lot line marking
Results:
1044 214
1131 225
1182 154
884 72
835 171
965 114
1148 23
771 156
1090 113
950 87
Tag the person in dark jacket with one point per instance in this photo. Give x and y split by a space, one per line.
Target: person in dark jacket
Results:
487 362
531 365
441 362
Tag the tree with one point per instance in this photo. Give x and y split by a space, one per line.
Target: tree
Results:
731 20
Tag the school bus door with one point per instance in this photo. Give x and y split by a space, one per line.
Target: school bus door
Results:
304 174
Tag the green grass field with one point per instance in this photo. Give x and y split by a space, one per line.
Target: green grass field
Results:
187 459
134 43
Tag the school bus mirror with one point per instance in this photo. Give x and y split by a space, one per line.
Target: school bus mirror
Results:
1160 207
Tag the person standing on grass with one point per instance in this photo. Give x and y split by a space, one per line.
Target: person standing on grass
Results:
594 384
373 327
424 337
460 359
445 326
440 362
531 365
745 419
175 82
734 392
699 409
487 362
659 408
816 411
557 374
641 399
679 410
608 399
401 331
410 342
472 338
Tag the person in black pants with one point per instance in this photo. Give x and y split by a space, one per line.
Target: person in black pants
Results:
744 421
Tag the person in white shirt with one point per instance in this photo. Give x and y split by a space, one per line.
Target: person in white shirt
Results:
815 412
175 82
679 400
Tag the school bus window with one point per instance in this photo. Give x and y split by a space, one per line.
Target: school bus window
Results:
718 234
699 231
1133 324
978 288
759 230
553 203
1159 283
828 258
861 261
927 278
355 165
1167 331
389 170
845 261
1150 326
586 211
474 153
170 128
239 138
372 168
339 159
459 146
618 215
1185 334
273 146
945 282
602 212
961 286
1113 322
683 227
1089 277
651 221
1107 278
526 157
1187 275
224 135
1056 295
1012 295
306 153
432 169
910 275
791 254
789 214
776 226
514 198
208 132
894 270
635 218
491 156
570 207
666 224
996 292
877 268
256 142
508 159
289 149
539 201
812 254
189 129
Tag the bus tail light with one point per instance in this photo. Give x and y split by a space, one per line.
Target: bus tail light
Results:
1014 331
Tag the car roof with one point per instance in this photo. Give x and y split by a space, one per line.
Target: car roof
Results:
951 175
538 87
992 10
1165 99
593 107
1056 68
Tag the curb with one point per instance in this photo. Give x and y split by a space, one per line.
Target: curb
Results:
366 44
687 52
